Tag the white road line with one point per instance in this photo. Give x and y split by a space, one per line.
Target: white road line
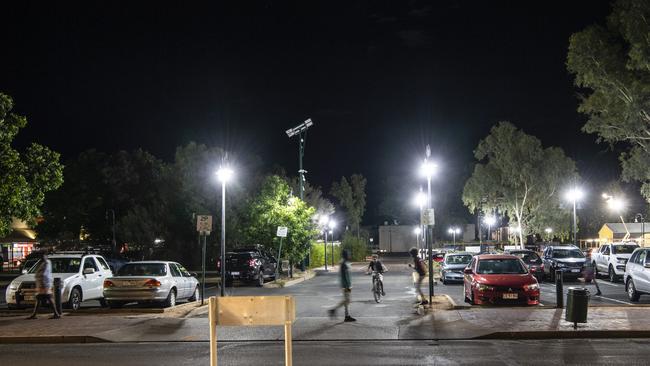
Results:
610 284
610 299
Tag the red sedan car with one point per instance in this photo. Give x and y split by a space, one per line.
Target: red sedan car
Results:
500 279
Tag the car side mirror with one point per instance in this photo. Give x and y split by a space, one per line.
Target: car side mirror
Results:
468 271
89 270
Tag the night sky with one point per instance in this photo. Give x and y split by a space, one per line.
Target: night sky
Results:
380 79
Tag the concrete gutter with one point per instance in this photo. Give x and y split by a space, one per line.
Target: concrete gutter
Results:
308 275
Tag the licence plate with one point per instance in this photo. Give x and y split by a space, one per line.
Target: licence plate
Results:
129 283
511 296
575 270
234 273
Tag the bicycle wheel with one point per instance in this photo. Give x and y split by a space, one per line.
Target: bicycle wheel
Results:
376 291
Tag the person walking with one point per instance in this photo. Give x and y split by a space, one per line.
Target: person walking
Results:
346 286
44 282
420 271
589 273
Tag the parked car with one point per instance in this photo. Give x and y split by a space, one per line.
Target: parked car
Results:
453 266
249 264
611 259
532 261
637 274
82 275
160 282
566 258
499 279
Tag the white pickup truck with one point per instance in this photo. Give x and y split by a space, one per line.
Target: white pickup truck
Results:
611 259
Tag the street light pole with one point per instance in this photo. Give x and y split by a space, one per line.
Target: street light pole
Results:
113 243
428 170
325 248
224 175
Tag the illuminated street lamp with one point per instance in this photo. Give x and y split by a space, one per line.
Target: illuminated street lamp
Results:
548 231
490 221
428 169
224 174
332 224
323 221
574 195
617 205
417 231
454 231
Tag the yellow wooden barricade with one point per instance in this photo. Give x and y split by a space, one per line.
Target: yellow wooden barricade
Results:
251 311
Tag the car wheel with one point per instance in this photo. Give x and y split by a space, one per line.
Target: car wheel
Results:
103 303
632 293
115 304
171 299
612 274
74 302
196 295
260 279
444 281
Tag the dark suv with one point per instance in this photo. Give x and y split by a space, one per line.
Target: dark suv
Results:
252 265
566 258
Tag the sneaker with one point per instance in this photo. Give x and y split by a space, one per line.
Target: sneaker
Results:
424 302
349 319
55 317
31 317
331 313
383 293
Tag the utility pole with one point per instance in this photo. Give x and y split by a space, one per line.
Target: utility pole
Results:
113 243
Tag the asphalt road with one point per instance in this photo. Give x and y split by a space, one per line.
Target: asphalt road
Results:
539 352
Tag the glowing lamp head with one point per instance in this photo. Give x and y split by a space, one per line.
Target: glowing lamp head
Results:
332 225
490 220
574 194
428 169
225 174
417 231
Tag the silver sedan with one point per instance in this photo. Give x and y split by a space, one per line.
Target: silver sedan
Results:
160 282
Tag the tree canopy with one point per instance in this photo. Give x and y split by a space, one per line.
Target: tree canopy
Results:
352 198
611 64
25 177
519 178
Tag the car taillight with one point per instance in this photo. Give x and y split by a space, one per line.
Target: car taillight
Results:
219 264
108 284
251 262
152 283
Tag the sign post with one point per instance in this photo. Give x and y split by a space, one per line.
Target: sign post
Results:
204 226
282 233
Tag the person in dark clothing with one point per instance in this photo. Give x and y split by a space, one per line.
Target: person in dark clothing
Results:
378 267
346 286
420 271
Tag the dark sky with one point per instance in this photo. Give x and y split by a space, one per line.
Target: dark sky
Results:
380 79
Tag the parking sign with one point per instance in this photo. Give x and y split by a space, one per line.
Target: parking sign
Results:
204 224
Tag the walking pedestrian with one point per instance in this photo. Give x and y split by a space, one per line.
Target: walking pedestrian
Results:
589 273
44 282
346 287
420 271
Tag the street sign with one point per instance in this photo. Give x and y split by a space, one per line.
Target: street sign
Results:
282 231
428 217
204 224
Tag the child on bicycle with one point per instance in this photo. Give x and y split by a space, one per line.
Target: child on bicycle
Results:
378 267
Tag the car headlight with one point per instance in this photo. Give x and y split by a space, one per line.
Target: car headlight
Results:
560 265
482 287
531 287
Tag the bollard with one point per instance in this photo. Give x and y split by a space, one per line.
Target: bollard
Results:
559 290
57 294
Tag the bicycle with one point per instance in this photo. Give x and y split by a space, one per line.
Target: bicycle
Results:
377 286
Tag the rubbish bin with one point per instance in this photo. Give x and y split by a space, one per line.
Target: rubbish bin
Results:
577 305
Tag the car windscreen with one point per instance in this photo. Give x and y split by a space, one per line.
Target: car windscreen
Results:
143 269
61 265
528 257
458 259
567 253
500 266
623 249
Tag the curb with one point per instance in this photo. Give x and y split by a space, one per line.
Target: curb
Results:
567 334
52 339
454 305
308 276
